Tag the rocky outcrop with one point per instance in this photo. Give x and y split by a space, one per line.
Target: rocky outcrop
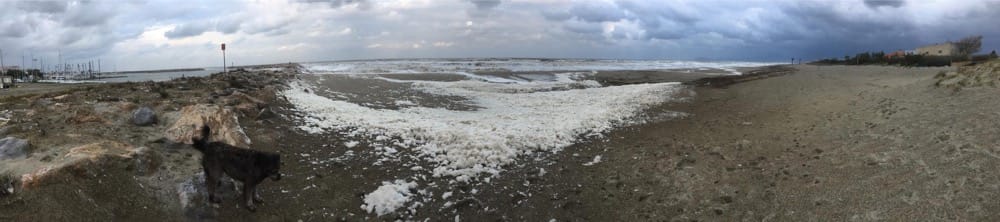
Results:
87 161
11 148
144 116
224 123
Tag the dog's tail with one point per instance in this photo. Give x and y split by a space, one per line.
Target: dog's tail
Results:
201 142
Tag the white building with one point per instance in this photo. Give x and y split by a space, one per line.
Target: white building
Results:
943 49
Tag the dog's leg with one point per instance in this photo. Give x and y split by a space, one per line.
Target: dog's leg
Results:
212 182
249 191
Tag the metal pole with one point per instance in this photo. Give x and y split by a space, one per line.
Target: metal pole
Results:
224 70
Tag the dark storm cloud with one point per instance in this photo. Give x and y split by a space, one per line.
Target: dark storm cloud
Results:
597 11
14 30
656 20
832 33
774 30
187 30
582 27
363 4
83 14
556 15
653 12
227 26
50 7
880 3
485 4
70 38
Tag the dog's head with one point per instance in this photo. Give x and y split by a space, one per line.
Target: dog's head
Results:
271 164
199 142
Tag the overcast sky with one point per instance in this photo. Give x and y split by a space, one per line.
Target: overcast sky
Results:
130 35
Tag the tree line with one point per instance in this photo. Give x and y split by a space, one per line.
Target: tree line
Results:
965 51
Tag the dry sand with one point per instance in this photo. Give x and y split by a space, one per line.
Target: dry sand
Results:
820 143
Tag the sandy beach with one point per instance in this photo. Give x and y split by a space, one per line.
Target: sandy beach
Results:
824 143
805 143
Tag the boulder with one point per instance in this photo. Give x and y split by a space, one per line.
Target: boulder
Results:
11 148
223 121
250 106
144 116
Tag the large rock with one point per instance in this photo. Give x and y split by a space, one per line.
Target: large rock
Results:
144 116
224 123
248 105
11 148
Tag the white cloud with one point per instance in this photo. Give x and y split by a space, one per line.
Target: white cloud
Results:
443 44
345 31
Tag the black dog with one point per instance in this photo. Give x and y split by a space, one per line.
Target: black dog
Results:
248 166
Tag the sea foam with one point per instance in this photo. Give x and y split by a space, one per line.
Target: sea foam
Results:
513 119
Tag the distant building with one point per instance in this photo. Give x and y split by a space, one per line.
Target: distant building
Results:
896 54
943 49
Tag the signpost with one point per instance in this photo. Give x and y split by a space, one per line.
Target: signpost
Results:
224 57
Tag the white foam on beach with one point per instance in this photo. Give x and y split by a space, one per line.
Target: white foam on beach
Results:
514 119
388 197
596 160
